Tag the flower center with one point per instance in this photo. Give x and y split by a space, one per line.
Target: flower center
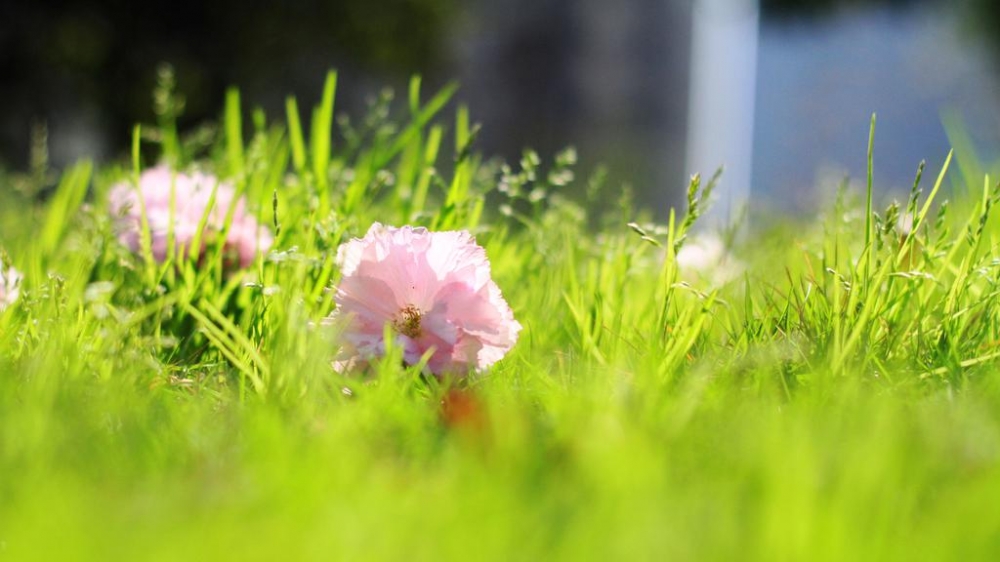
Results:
407 321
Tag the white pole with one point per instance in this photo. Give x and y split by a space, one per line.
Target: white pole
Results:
721 106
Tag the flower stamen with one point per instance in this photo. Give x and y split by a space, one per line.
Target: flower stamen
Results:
407 321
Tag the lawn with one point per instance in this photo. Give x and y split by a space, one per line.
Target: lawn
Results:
816 388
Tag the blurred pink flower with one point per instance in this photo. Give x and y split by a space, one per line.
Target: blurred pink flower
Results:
433 288
191 194
10 281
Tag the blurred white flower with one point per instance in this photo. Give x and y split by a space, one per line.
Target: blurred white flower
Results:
905 223
10 281
705 257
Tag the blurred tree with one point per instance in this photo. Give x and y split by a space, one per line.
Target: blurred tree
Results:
94 61
781 8
985 19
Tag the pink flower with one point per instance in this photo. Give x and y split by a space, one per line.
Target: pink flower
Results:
10 280
191 194
433 289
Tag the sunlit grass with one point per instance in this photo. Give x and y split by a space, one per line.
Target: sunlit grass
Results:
836 398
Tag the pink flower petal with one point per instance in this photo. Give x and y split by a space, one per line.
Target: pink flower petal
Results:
433 288
175 205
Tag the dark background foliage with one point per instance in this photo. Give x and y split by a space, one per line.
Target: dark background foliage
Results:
610 78
98 57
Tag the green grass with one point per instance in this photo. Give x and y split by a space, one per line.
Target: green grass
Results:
838 399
